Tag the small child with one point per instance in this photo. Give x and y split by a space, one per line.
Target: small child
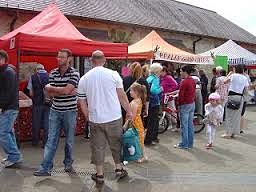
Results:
213 117
138 93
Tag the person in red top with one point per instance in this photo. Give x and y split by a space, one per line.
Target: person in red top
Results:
186 101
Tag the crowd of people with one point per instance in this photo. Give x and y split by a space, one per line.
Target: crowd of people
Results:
108 100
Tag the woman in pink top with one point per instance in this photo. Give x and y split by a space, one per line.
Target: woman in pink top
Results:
168 84
167 81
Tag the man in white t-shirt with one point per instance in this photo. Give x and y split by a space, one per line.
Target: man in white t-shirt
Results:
100 93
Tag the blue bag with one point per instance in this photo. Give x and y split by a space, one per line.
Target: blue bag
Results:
131 145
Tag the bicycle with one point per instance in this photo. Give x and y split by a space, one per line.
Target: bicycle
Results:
165 121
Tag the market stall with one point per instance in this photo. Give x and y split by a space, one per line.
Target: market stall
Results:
154 47
235 53
39 41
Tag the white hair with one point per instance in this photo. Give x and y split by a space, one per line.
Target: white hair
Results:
155 68
219 68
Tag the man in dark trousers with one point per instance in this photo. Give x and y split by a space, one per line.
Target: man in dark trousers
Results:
41 109
8 112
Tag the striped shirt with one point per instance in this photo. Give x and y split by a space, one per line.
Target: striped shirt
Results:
64 102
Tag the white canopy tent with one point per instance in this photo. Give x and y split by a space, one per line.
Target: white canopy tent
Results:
236 54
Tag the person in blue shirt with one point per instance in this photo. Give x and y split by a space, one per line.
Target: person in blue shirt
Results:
154 104
40 110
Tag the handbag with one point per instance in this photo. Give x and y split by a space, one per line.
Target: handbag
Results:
234 105
131 145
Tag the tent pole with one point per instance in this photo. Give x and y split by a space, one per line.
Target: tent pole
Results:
18 118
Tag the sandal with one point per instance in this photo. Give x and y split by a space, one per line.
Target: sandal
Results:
226 136
121 173
99 179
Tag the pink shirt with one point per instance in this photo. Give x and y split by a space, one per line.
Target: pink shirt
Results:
168 83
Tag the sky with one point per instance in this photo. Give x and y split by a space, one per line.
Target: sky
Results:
242 13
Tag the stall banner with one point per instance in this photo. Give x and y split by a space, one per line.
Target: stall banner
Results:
186 59
221 61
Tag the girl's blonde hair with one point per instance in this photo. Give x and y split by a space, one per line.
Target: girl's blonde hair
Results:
141 90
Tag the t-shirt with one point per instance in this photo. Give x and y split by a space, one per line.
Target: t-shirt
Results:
98 87
238 83
64 102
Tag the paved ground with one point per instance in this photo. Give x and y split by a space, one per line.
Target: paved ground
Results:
230 166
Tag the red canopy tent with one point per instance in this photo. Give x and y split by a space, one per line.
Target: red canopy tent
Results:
50 31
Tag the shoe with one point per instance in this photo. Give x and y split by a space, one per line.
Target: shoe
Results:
69 169
121 173
241 132
178 146
3 160
209 146
156 140
226 136
8 164
99 179
149 143
41 173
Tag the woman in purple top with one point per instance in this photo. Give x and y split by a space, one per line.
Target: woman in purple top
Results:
169 84
167 81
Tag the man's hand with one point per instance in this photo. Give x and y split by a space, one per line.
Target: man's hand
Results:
129 115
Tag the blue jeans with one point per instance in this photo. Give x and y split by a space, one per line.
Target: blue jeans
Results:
40 119
186 124
57 121
7 136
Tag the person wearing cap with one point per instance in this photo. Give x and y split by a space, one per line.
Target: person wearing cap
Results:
63 82
9 108
213 117
100 92
40 110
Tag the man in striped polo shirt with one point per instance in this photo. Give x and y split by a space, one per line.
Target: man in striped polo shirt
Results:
63 82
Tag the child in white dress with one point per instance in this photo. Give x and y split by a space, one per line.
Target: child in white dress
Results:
213 117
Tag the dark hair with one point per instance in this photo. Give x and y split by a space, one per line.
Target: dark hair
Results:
3 54
165 69
223 72
68 51
188 69
239 69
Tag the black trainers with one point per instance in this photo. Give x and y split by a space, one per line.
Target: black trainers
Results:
121 173
41 173
99 179
69 169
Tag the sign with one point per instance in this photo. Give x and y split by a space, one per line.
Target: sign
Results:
12 43
183 58
221 61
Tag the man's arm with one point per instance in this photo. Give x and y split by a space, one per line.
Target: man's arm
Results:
84 108
57 91
124 102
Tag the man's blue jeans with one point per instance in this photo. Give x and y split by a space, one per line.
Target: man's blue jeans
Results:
57 121
7 136
186 125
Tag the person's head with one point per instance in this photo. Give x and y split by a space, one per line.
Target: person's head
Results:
136 70
145 71
155 69
214 71
214 99
201 72
195 72
39 67
3 57
64 57
138 91
164 71
218 70
239 69
98 58
223 73
186 71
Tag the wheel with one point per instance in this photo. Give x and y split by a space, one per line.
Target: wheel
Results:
163 123
198 123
